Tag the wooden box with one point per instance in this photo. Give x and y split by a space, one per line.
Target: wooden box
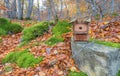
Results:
80 32
80 37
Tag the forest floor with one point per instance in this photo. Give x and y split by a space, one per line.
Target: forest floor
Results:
57 59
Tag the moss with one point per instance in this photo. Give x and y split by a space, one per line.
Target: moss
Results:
9 28
2 32
60 28
111 44
1 39
15 28
77 74
4 21
53 40
23 59
34 31
118 74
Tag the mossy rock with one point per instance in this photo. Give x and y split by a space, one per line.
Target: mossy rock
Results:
77 74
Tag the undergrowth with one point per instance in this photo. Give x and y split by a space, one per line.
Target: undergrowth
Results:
30 33
4 21
111 44
118 74
6 27
77 74
23 59
60 28
53 40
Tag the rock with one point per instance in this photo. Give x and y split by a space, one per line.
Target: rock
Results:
96 59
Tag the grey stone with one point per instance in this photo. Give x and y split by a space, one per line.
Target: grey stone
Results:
96 59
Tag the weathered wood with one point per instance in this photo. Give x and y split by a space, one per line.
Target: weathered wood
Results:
80 31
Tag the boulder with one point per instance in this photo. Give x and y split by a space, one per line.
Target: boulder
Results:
96 59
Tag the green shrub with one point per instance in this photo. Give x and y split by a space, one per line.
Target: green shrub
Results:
2 32
111 44
118 74
23 59
77 74
60 28
53 40
34 31
4 21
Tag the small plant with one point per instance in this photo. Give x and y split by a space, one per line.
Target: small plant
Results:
8 68
23 59
35 31
77 74
60 28
97 17
4 21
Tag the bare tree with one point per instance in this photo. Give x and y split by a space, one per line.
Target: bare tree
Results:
20 13
38 10
78 9
30 7
7 4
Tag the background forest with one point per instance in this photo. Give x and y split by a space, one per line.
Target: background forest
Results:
35 35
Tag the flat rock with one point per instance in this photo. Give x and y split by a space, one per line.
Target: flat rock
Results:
96 59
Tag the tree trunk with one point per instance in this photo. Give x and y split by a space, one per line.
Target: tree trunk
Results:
61 8
54 12
112 6
30 7
38 11
49 13
14 9
78 9
7 4
20 14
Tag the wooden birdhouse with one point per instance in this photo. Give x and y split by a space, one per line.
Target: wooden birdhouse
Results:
80 31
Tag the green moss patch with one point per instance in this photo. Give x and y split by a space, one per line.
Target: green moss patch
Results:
9 28
111 44
60 28
23 59
34 31
2 32
118 74
4 21
53 40
77 74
